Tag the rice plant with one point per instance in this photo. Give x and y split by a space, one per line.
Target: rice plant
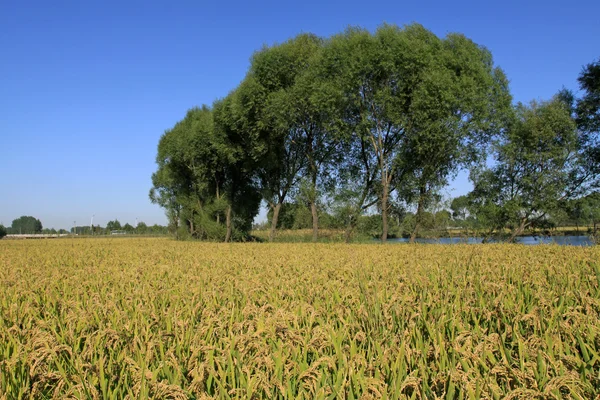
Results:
155 318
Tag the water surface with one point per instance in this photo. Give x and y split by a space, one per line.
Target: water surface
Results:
528 240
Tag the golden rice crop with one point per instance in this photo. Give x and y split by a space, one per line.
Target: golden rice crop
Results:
154 318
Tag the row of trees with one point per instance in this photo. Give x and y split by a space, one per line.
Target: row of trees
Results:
547 161
401 222
25 225
372 123
115 226
32 225
582 212
443 217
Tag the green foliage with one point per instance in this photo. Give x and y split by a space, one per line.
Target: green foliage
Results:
141 228
413 107
460 208
276 105
26 225
584 210
369 225
534 160
588 107
2 231
113 225
341 131
203 177
587 111
442 219
291 216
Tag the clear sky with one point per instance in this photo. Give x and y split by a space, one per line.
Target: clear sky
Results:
88 87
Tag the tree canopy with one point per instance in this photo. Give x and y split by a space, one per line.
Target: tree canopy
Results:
534 159
587 116
375 123
26 225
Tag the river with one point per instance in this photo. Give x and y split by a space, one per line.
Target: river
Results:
528 240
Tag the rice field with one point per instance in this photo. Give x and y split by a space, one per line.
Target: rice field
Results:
155 318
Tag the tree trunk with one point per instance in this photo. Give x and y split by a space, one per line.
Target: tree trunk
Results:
315 220
487 236
218 213
274 221
420 206
313 190
348 234
384 211
175 222
413 235
228 224
350 227
517 231
355 214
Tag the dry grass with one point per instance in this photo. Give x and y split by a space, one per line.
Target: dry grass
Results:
154 318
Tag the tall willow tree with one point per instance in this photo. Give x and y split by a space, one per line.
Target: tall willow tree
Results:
275 159
300 111
461 102
277 103
172 180
244 146
199 179
410 103
587 111
358 70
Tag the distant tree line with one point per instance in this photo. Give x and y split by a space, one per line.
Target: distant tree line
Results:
582 212
24 225
363 127
32 225
115 227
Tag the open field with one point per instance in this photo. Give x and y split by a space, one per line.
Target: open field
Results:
155 318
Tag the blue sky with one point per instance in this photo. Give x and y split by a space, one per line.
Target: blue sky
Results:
88 87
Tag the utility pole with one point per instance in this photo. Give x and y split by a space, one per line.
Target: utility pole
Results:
92 224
